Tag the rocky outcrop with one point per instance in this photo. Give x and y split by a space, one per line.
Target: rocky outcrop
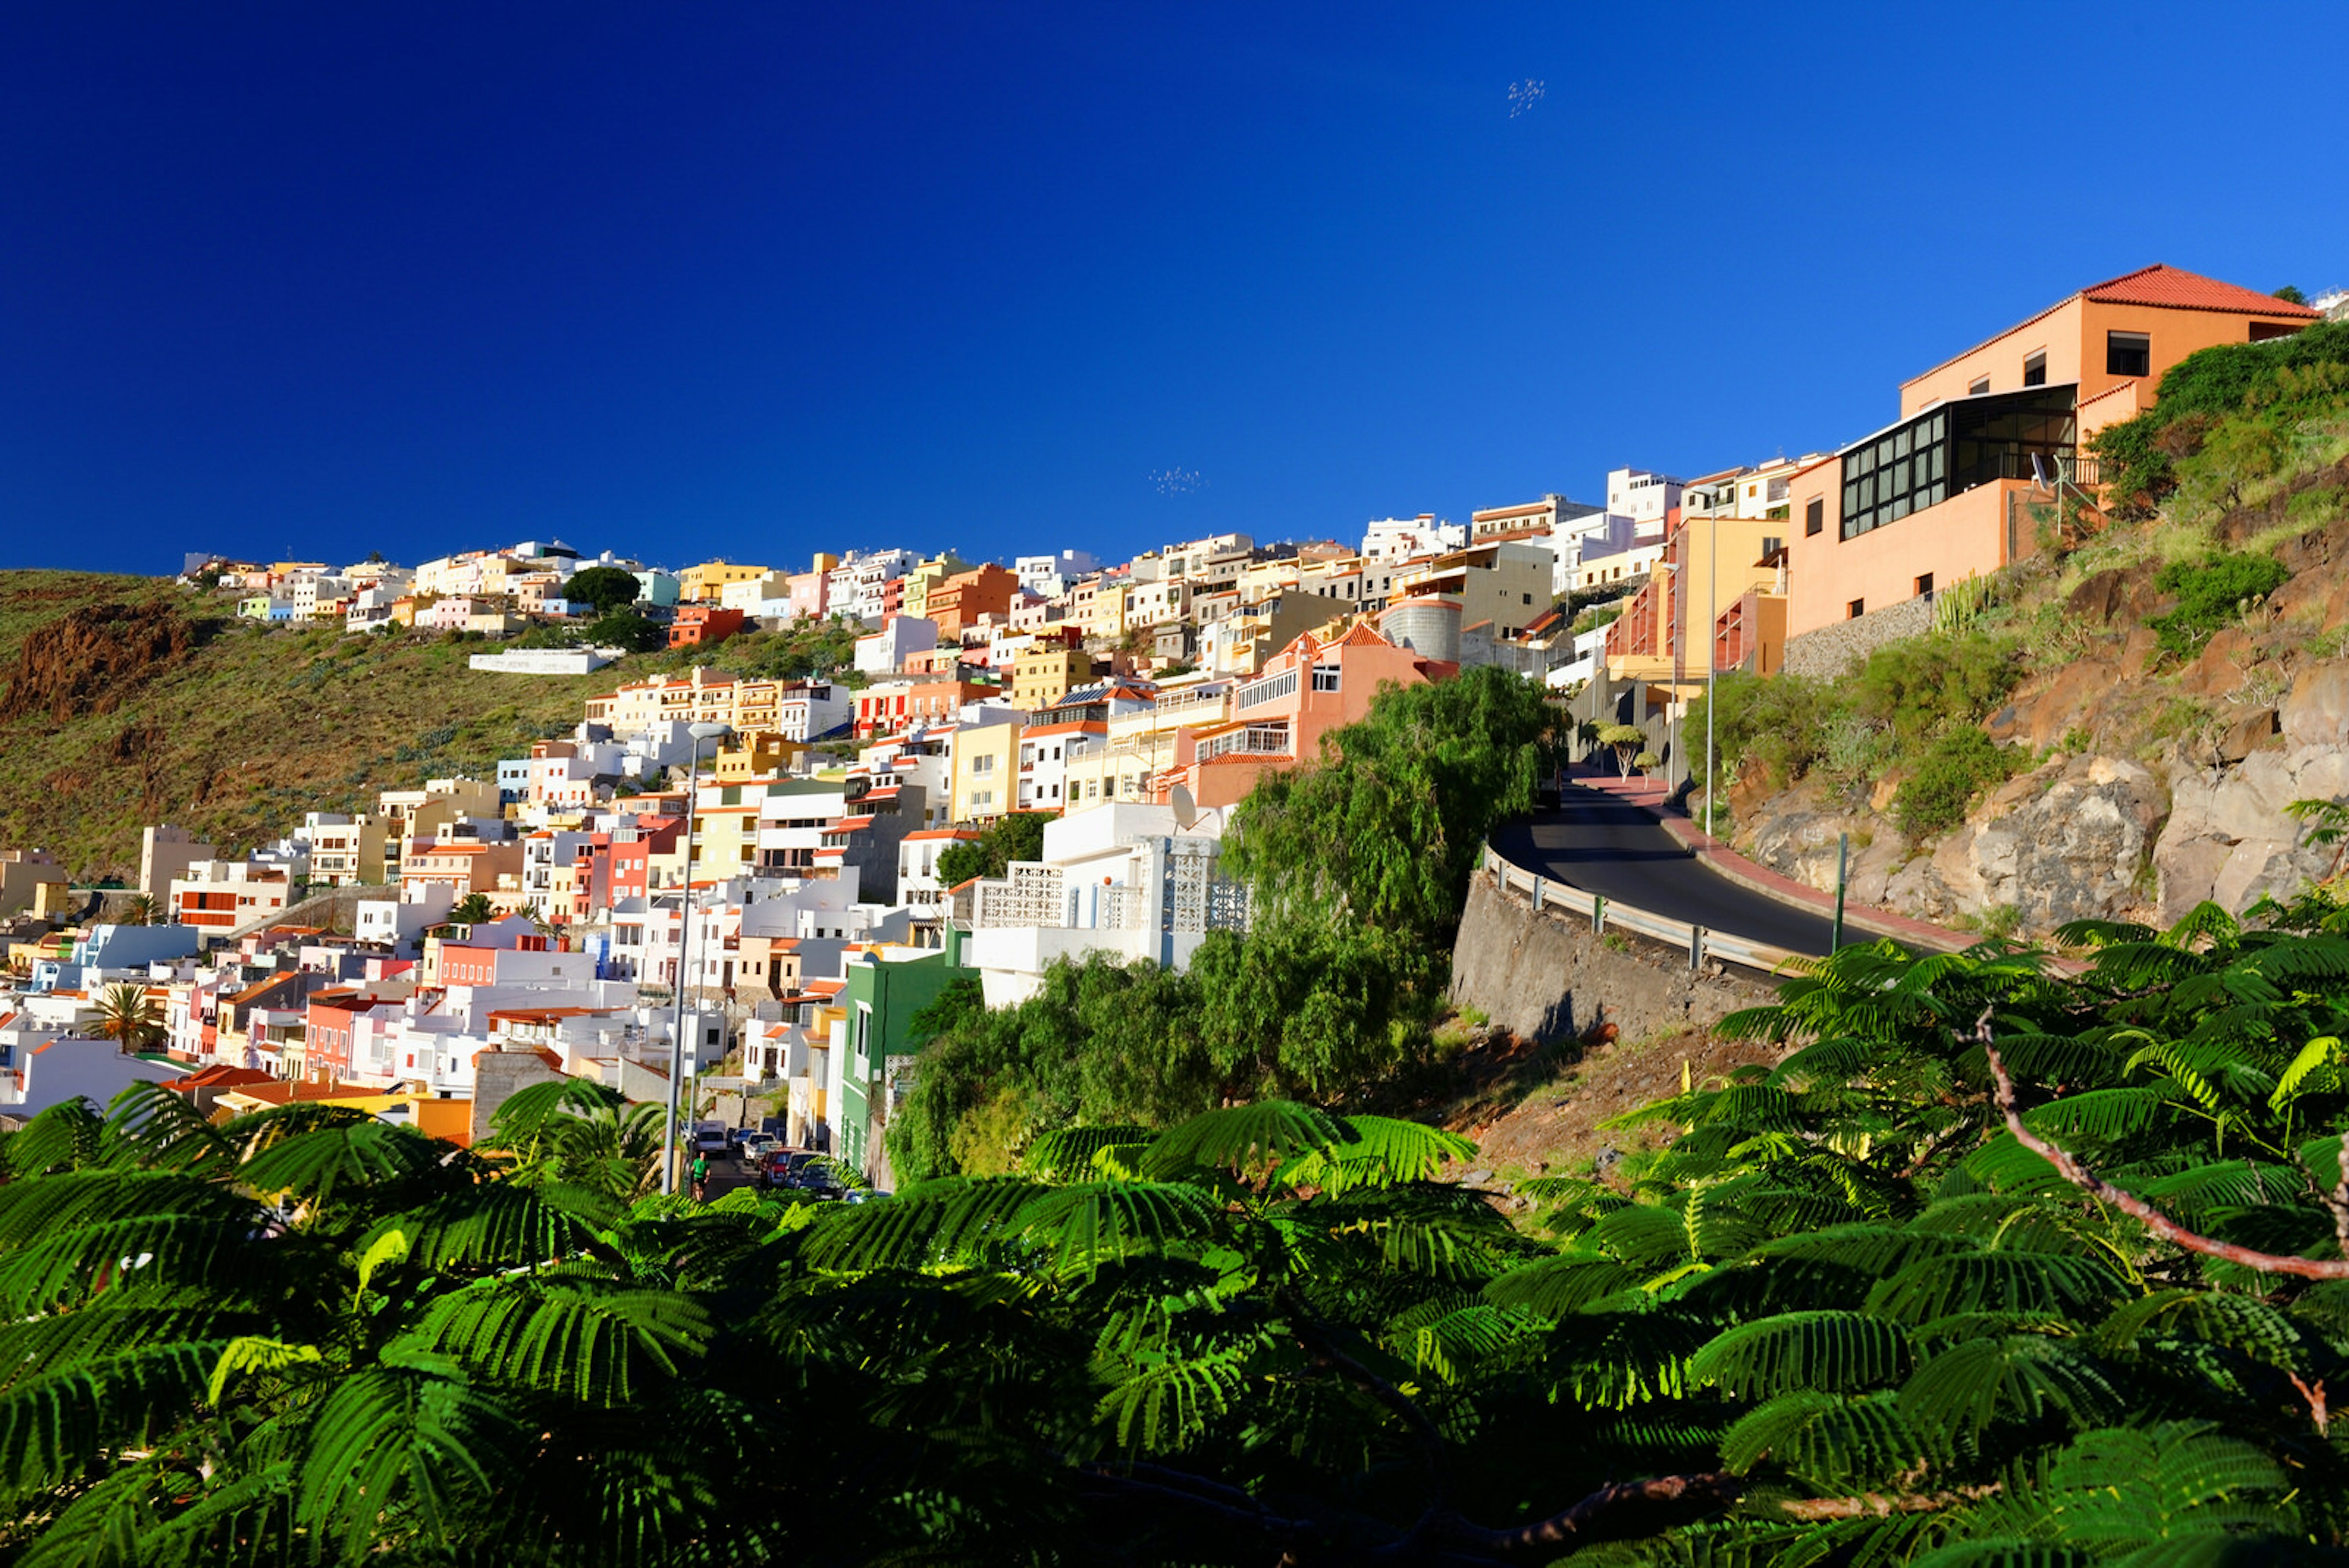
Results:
2069 841
89 660
2228 838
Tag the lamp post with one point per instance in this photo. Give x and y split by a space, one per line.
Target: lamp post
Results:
1712 653
700 733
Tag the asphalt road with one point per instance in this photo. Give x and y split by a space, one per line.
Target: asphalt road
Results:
1605 845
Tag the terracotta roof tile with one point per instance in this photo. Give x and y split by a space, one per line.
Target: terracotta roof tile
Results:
2178 289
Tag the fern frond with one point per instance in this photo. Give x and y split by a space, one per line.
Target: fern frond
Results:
1827 1350
401 1453
1829 1439
1100 1222
2039 1285
595 1343
1247 1141
1061 1154
1382 1152
1955 1397
311 1165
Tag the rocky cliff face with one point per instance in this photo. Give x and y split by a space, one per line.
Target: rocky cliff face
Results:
2093 836
89 660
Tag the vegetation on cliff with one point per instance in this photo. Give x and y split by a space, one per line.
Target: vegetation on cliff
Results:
127 700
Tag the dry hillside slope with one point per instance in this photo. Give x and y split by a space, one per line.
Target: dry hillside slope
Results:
127 700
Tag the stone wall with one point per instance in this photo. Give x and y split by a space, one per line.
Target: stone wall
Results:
1545 976
1830 650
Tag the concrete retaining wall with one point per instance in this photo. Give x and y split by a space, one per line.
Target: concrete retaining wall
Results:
1545 976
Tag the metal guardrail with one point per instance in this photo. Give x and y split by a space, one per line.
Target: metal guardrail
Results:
1698 941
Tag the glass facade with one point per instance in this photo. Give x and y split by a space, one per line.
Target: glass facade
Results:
1950 449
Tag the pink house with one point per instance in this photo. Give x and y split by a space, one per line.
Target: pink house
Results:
1304 692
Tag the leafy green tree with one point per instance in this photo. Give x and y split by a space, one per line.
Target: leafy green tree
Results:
603 588
628 629
1383 830
1626 741
1015 836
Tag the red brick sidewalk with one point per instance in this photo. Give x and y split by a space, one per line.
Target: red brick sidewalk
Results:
1651 797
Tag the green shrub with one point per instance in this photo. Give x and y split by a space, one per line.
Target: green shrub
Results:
1919 688
2211 592
1952 771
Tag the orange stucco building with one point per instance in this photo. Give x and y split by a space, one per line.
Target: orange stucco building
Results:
1940 495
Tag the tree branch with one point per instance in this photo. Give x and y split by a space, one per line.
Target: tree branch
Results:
1564 1528
2069 1167
1882 1505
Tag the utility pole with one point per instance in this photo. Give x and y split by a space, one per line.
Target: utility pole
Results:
700 733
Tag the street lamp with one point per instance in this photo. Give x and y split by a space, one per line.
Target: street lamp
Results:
700 733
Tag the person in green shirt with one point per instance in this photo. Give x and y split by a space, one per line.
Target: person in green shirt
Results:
700 1177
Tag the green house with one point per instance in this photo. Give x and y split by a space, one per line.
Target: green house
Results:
887 987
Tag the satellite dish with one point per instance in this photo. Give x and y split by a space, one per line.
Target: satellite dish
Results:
2039 472
1186 810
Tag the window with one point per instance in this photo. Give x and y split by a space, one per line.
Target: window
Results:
2268 331
1978 385
1770 545
1925 585
2034 370
1853 610
2129 354
1325 677
1528 597
1779 488
1815 517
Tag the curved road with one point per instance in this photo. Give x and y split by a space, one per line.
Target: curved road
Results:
1606 846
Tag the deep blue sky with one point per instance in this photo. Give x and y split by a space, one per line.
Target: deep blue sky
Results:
758 279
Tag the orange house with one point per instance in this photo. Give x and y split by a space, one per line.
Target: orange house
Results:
960 600
1940 494
697 625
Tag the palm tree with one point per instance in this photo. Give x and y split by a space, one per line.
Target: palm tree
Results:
127 1015
143 910
473 910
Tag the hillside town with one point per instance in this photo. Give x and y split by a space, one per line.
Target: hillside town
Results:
752 882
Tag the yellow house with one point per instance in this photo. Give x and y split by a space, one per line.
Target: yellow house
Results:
1111 774
929 575
1043 676
763 754
985 772
704 582
726 830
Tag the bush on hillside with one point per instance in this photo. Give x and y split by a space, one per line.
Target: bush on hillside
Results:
1955 769
2211 592
1894 707
2283 381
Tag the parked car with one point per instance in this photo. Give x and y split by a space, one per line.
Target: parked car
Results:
866 1195
754 1147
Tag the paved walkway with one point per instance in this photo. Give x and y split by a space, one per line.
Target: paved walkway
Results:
1651 797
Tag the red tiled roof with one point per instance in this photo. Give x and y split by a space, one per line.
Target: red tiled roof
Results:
2176 290
2158 286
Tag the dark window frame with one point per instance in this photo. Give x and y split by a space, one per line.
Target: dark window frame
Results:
2035 369
2129 354
1814 517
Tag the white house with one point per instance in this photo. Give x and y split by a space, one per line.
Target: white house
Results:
1123 879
